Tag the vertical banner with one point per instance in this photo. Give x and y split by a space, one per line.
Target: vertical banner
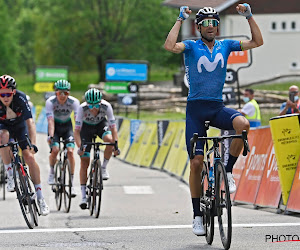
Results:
254 168
124 138
161 130
294 201
286 139
269 192
134 126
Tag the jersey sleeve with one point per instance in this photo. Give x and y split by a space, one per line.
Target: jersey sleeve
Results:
110 116
187 45
76 105
79 118
248 109
49 109
25 107
234 45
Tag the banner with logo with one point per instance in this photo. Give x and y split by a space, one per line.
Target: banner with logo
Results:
124 138
252 174
269 192
178 156
166 144
161 130
293 203
286 139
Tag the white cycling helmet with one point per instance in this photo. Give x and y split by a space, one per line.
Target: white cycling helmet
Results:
205 13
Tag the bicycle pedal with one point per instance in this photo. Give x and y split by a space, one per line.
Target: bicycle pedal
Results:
33 196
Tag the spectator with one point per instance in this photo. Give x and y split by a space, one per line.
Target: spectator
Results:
292 105
251 109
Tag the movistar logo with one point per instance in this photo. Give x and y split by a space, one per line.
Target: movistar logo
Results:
210 66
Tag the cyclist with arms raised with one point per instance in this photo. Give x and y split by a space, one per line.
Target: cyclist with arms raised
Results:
58 112
15 122
91 121
205 66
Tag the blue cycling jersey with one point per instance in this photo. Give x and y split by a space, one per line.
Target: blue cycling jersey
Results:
206 71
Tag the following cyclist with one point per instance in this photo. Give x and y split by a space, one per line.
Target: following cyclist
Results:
205 66
15 122
58 112
90 122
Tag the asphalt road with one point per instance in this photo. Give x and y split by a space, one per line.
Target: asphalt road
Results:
141 209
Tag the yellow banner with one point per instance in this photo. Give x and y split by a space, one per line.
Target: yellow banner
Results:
133 150
149 146
166 144
124 138
41 87
286 139
178 156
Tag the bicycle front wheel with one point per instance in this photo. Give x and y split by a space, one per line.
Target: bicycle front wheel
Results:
90 190
58 190
67 185
2 178
207 206
98 187
23 196
223 205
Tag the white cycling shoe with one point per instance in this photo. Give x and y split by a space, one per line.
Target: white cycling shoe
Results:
10 184
231 183
105 174
44 209
83 203
198 228
51 179
73 192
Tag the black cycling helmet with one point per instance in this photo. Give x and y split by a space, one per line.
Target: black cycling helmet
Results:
206 12
7 81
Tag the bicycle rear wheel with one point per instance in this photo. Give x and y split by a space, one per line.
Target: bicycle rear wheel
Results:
208 206
67 185
2 178
32 193
58 184
98 187
23 196
223 205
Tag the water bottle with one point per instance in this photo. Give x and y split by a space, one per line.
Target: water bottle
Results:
211 176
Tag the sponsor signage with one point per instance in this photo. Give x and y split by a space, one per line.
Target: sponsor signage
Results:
44 74
41 87
231 76
237 57
228 95
127 99
120 87
126 71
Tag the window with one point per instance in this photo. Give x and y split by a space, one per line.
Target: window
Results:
273 26
283 25
293 25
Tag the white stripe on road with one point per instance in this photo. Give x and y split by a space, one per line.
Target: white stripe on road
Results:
137 190
54 230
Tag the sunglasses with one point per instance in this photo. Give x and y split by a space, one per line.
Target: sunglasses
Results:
207 22
6 94
91 106
63 92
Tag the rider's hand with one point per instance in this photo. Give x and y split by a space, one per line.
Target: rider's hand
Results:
117 152
244 10
81 150
50 140
184 13
33 149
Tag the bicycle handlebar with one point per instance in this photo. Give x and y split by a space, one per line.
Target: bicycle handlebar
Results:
12 143
84 143
196 138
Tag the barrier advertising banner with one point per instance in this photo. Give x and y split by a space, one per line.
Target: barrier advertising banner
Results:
286 139
151 148
178 156
293 203
254 167
124 138
165 146
269 192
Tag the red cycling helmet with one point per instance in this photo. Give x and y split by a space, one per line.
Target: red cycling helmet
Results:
7 81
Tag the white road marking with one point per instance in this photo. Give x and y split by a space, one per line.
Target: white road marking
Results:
55 230
138 190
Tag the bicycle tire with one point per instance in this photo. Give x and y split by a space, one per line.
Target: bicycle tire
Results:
3 179
98 187
223 205
208 206
21 186
31 190
90 190
67 185
58 185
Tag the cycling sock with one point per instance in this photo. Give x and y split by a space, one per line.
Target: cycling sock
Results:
231 161
51 169
9 170
83 191
72 177
196 207
105 161
38 189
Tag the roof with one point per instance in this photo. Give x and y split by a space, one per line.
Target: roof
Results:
195 5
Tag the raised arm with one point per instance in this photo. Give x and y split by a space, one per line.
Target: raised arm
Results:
257 39
171 41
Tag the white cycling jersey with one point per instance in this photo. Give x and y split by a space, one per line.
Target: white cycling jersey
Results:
61 112
85 116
